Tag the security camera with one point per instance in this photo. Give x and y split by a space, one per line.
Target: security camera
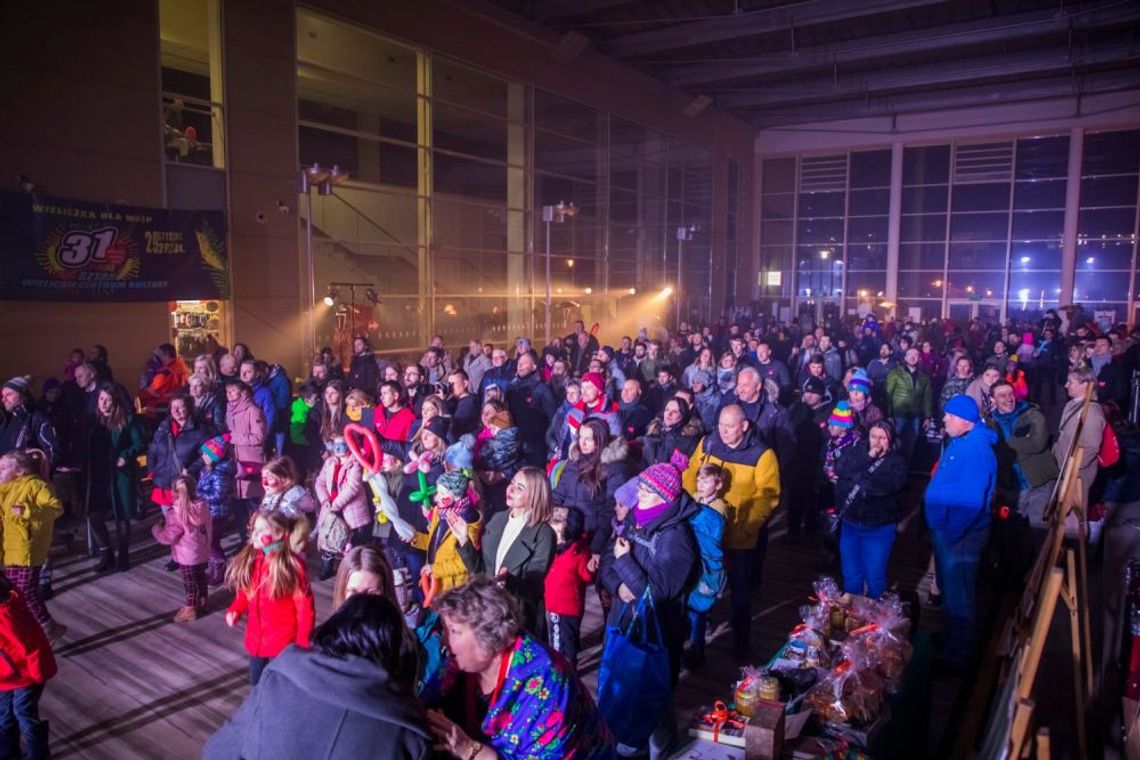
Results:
282 206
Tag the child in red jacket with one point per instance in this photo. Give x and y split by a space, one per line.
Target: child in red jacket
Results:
26 663
566 582
270 583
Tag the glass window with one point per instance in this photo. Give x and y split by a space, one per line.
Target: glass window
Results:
976 285
779 175
474 179
1038 194
929 165
922 256
1042 157
567 157
867 284
821 204
926 284
922 227
868 202
927 309
1104 254
463 131
1112 153
1038 225
966 256
925 200
862 256
775 232
871 169
331 47
1108 191
567 117
967 227
981 197
1035 255
469 225
1091 287
1034 286
365 160
779 206
1107 223
823 231
870 229
456 83
191 83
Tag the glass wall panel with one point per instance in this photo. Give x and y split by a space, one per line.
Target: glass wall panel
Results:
192 122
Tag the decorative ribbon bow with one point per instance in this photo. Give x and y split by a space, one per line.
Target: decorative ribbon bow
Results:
721 717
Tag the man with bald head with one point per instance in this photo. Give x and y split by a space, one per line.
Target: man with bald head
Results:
753 480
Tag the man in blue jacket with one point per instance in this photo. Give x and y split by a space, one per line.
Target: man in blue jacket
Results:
958 512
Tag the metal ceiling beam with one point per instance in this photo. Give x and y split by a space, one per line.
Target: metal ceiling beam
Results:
931 75
997 29
752 23
554 10
960 97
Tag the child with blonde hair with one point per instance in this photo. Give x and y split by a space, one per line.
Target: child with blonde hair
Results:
28 510
188 531
270 584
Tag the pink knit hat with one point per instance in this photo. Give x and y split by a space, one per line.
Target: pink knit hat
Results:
664 478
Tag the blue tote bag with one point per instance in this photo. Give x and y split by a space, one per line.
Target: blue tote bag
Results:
633 679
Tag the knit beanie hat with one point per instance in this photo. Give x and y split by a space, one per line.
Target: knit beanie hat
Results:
596 380
701 376
215 448
626 494
21 384
461 454
814 385
859 381
455 482
663 479
841 416
438 426
963 407
51 384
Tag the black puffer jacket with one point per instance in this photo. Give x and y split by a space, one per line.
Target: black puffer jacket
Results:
660 441
351 707
596 508
866 497
169 455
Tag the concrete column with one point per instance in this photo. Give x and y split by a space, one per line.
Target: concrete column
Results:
1072 211
894 222
518 313
261 108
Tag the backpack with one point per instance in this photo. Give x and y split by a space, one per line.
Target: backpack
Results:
1109 453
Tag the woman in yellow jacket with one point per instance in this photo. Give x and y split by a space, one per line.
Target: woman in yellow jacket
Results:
28 510
453 512
754 490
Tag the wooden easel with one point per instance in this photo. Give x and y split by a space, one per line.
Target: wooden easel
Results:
1025 635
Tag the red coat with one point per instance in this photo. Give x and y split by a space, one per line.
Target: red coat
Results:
567 578
25 654
398 427
274 623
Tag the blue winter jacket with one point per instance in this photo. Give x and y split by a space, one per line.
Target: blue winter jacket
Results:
708 528
281 389
263 397
960 493
216 487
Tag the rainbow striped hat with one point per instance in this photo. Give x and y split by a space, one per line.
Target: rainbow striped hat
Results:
841 416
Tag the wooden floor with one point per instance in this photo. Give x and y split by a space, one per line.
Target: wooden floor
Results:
132 684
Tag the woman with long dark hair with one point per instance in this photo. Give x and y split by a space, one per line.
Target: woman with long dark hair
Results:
114 444
596 468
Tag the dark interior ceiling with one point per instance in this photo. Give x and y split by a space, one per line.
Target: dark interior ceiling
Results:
781 62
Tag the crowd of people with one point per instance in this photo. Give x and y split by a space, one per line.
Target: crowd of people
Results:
513 482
